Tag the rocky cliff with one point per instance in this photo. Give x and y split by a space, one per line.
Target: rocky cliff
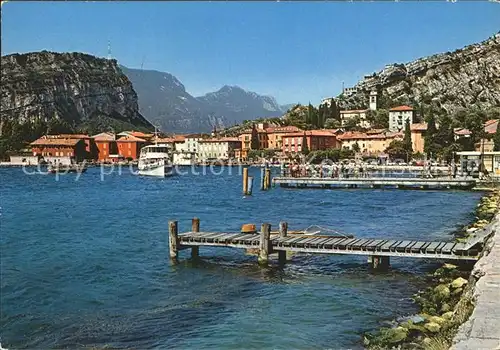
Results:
81 90
460 79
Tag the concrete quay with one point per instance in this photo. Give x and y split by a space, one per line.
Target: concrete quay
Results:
482 329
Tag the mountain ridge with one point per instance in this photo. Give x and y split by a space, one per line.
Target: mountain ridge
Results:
164 100
451 80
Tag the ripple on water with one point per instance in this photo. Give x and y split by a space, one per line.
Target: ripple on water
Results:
85 264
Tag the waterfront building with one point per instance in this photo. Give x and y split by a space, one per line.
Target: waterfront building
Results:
316 140
59 150
398 117
486 144
417 136
107 148
275 135
490 160
90 149
246 139
129 146
360 114
223 148
188 144
369 143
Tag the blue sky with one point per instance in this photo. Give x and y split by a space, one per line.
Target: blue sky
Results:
295 51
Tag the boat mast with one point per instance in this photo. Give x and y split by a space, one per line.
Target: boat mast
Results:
156 136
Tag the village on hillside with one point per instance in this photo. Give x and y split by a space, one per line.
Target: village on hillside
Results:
402 143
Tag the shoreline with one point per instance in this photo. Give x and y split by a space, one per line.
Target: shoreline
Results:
448 306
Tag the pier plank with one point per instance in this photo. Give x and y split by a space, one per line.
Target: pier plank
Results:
402 246
447 248
376 244
417 246
358 244
431 248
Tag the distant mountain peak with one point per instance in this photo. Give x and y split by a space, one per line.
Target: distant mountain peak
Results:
164 101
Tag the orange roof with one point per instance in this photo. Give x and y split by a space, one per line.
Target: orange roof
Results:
66 136
401 109
355 135
491 126
461 131
140 134
352 135
418 127
130 138
104 136
311 133
352 111
222 139
280 129
179 138
164 139
55 142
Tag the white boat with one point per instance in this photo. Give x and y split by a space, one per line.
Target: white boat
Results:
155 160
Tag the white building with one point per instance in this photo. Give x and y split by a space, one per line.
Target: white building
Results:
218 148
188 144
398 117
345 116
373 100
349 91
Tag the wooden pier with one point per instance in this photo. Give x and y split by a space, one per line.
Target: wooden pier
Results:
376 182
378 251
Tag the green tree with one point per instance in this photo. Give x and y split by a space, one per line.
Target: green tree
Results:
312 116
396 149
254 141
378 118
331 123
355 147
305 148
496 138
407 144
430 146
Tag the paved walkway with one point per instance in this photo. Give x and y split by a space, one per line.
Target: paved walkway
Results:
482 330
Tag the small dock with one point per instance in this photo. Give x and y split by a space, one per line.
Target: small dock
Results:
376 182
378 250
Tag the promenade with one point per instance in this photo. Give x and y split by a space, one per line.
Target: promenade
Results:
482 329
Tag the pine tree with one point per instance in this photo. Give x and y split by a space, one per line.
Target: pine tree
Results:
305 148
430 136
254 143
313 115
407 145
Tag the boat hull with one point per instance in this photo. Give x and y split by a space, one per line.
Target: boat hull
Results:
158 171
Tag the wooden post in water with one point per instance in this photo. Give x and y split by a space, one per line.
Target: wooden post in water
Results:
379 262
265 233
283 233
268 178
195 227
173 239
262 179
245 181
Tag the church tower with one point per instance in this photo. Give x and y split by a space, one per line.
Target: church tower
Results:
373 100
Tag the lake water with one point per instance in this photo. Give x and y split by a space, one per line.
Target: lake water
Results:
85 263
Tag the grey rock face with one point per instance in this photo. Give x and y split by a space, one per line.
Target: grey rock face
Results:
73 87
465 77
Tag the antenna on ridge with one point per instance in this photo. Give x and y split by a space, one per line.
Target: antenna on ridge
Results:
109 49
